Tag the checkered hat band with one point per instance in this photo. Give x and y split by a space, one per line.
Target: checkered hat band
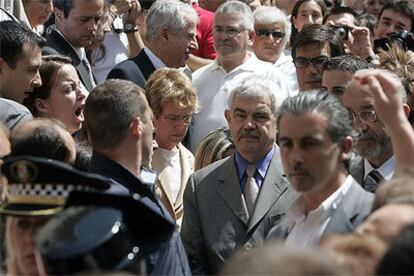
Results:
44 190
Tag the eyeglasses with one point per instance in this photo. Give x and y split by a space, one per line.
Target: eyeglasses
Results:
266 33
366 115
319 61
229 31
173 119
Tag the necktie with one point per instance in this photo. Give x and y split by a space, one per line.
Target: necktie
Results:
88 68
372 180
251 190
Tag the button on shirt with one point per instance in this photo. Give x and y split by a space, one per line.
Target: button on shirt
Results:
386 170
307 229
261 168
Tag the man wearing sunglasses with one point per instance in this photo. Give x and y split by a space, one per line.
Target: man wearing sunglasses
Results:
312 48
271 34
376 162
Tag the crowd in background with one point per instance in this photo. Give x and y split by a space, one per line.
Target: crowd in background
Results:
185 137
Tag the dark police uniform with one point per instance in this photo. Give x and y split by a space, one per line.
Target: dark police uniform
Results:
171 258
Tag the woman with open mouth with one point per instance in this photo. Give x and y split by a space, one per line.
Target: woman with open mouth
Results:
61 95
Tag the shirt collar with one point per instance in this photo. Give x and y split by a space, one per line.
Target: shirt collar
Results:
80 52
386 169
246 66
296 212
261 166
154 59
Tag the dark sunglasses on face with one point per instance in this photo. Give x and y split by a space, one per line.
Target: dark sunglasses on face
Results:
266 33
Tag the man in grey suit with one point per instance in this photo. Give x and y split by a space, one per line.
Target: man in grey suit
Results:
232 203
376 162
315 142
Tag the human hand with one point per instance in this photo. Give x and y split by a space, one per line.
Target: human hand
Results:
361 43
387 91
133 13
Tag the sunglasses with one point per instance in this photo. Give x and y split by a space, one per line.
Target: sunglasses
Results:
266 33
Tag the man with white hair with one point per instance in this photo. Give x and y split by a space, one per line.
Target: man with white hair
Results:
271 34
170 39
233 33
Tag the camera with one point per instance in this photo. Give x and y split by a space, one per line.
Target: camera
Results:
404 39
341 31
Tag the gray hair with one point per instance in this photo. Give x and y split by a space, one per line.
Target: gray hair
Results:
239 8
255 86
267 15
319 101
173 14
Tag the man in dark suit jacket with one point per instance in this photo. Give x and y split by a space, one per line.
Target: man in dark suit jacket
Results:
76 25
119 125
166 46
315 141
226 207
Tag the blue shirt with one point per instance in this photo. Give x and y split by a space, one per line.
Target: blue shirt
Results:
261 168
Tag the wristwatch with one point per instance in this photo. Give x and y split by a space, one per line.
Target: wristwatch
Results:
130 28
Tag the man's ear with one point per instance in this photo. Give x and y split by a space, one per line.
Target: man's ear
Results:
407 110
228 116
2 61
346 147
58 15
136 127
41 106
251 38
165 34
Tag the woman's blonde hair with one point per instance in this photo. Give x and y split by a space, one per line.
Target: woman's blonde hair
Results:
217 145
169 85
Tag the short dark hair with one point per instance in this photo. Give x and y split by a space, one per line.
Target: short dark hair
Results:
109 110
13 36
316 33
340 124
402 6
64 5
45 140
348 63
341 10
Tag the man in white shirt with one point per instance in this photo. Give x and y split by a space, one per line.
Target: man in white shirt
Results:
315 142
376 162
232 32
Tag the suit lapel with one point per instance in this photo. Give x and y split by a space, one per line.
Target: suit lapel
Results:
357 169
187 168
144 63
229 190
57 42
342 217
158 166
273 187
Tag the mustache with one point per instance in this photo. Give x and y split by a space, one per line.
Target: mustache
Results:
365 136
298 168
250 134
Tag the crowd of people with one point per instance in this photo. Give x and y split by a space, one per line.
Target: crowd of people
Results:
185 137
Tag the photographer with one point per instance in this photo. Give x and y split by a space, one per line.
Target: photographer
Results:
395 24
357 41
396 16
